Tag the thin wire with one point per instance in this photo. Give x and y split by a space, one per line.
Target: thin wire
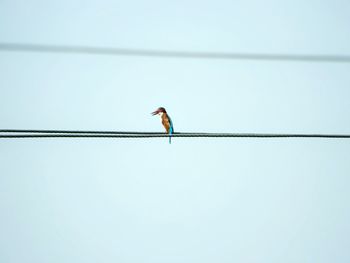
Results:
89 50
72 131
116 134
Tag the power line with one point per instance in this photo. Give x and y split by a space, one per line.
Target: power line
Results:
73 131
89 50
133 135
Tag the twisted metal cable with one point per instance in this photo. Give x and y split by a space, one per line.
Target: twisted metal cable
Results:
89 50
73 131
11 133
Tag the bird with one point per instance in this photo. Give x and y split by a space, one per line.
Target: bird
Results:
166 121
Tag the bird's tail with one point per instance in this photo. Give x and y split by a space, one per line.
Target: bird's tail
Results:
170 137
171 131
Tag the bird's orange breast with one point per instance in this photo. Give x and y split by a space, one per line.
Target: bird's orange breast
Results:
166 122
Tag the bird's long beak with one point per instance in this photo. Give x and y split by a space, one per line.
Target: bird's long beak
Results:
155 112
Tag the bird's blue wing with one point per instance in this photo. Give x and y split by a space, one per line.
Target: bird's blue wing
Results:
171 129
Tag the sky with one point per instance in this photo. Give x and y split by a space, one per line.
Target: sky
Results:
198 199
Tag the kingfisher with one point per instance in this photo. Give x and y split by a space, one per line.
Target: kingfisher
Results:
166 121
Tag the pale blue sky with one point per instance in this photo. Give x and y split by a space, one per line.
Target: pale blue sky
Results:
196 200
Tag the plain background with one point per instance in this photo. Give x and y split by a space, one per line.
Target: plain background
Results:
196 200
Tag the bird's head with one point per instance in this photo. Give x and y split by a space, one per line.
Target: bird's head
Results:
159 111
